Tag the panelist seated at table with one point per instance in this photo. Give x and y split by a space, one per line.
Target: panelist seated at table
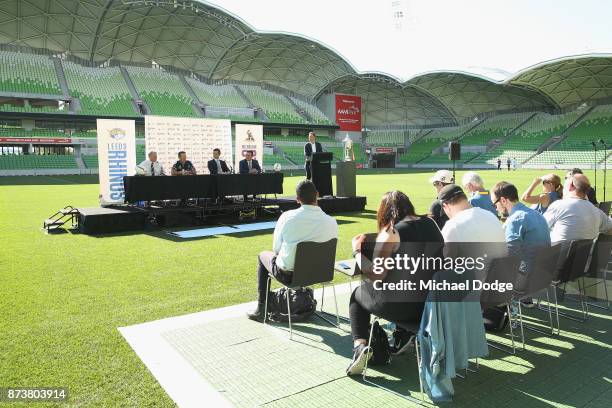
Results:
216 165
183 167
249 165
150 167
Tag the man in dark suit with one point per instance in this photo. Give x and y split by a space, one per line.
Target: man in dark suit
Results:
248 165
216 165
311 147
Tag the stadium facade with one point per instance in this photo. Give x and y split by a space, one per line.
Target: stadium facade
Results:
66 63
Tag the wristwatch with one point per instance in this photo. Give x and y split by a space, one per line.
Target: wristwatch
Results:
355 252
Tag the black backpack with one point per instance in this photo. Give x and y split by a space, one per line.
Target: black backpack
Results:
303 304
381 352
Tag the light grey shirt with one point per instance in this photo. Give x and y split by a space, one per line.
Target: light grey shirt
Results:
574 218
156 170
307 223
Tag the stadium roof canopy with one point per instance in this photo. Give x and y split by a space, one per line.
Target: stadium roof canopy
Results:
194 36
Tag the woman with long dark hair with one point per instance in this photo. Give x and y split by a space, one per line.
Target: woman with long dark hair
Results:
400 232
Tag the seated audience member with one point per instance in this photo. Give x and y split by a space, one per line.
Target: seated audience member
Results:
481 198
307 223
526 229
552 191
419 235
249 165
470 231
151 167
591 195
183 167
574 217
439 180
216 165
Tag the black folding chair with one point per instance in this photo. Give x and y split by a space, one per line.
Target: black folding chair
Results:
573 262
605 206
503 269
314 265
598 267
538 279
409 327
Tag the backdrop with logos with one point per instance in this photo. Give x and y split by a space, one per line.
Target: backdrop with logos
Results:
196 136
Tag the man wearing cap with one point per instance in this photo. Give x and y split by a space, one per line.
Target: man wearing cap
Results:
471 224
439 180
480 197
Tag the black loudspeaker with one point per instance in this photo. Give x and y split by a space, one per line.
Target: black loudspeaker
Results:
454 151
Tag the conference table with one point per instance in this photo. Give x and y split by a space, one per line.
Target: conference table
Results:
147 188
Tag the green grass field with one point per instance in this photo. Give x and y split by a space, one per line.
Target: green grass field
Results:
63 296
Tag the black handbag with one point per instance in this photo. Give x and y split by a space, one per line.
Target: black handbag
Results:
381 351
302 301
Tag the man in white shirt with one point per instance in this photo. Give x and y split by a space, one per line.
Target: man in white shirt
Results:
478 230
307 223
574 217
152 167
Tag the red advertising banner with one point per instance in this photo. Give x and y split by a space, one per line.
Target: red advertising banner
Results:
43 140
348 112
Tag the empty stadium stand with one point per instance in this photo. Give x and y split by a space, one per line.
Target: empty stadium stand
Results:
387 137
496 127
576 148
28 73
163 92
422 148
102 91
316 115
526 140
276 107
33 161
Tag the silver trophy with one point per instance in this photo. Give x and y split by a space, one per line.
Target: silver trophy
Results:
349 154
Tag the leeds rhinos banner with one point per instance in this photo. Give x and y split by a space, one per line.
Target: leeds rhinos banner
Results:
116 158
348 112
249 137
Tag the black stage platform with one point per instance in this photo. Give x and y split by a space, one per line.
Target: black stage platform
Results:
125 218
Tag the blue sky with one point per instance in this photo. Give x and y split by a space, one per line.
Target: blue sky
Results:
492 38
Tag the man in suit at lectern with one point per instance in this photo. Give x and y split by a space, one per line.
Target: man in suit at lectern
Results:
216 165
311 147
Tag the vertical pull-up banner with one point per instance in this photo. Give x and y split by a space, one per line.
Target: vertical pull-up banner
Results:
249 137
348 112
116 158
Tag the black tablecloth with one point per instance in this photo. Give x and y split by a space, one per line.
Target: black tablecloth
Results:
143 188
